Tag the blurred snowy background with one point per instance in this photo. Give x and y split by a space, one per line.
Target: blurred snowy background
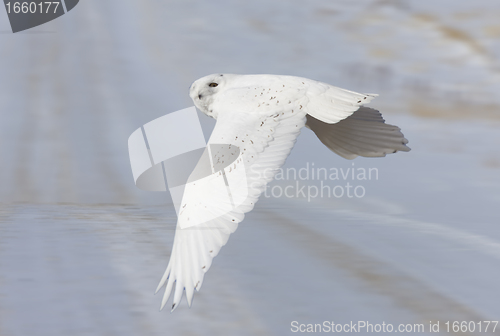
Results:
82 249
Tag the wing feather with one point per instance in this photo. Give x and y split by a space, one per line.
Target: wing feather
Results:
334 104
265 142
364 133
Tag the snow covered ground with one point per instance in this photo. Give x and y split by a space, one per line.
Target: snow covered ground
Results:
82 249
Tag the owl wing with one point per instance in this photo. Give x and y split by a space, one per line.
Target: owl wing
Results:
339 119
323 101
329 103
364 133
256 146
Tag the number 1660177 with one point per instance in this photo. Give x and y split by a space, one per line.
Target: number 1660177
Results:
470 327
32 7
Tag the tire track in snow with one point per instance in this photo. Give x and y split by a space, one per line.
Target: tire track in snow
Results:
375 275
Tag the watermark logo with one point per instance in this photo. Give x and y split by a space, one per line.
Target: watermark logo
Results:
171 153
28 14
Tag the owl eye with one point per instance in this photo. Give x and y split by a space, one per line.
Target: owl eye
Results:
213 84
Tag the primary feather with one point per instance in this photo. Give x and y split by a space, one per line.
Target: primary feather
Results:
259 118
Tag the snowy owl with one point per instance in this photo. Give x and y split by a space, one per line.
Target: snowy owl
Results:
260 117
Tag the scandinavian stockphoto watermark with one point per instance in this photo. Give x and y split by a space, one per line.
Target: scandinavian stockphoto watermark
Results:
385 328
28 14
170 153
310 182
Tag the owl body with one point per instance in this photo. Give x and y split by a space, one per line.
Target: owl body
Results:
261 115
255 94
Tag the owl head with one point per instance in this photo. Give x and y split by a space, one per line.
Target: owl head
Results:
203 91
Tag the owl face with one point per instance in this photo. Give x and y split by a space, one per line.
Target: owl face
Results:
203 90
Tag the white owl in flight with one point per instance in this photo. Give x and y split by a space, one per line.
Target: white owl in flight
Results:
260 117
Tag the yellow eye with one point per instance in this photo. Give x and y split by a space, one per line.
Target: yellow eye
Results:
213 84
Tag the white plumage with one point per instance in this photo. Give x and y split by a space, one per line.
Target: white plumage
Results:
260 117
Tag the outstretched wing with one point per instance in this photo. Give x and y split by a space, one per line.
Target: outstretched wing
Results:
212 207
323 101
331 104
364 133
